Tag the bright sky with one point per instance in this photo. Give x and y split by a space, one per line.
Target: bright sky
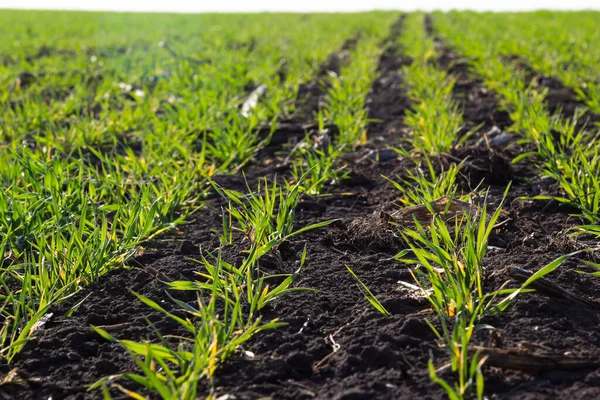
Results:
300 5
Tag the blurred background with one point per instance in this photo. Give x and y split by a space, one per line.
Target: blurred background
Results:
303 5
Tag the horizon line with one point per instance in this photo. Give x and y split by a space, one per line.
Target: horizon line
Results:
281 11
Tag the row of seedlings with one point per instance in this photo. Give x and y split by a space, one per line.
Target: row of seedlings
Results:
81 192
569 55
344 108
563 150
446 231
230 297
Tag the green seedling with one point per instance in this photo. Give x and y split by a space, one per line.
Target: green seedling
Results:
450 260
217 326
368 294
421 187
105 146
267 215
318 166
579 177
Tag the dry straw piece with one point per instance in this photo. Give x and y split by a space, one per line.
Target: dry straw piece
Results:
444 207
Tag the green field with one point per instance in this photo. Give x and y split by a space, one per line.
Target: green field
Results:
273 174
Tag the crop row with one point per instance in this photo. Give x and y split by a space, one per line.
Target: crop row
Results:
571 55
448 248
106 145
82 190
564 151
90 177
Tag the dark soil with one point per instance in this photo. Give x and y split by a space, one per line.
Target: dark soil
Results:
387 100
560 98
335 345
311 94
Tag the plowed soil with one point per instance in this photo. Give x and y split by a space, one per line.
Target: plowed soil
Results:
335 345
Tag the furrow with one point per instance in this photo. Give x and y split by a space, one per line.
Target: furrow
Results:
321 338
308 103
560 99
481 112
66 350
387 100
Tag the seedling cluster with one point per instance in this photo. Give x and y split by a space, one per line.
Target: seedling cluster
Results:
120 131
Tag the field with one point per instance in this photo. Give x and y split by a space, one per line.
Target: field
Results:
296 206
